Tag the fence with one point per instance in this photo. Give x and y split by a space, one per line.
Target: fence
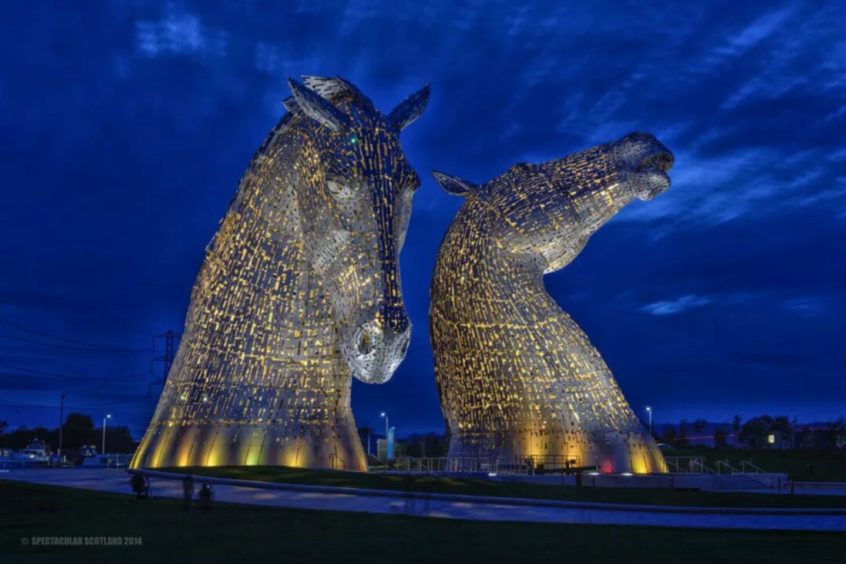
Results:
696 465
534 464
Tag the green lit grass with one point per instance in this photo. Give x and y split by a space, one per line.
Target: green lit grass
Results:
443 484
232 533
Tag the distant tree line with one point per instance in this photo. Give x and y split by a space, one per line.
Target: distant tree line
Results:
764 431
429 445
78 431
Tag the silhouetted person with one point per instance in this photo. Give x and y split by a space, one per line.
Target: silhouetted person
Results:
188 490
205 496
140 485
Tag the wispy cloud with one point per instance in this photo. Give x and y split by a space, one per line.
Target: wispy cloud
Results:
155 129
808 306
679 305
178 32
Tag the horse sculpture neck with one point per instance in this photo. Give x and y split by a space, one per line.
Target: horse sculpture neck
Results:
299 292
260 328
518 379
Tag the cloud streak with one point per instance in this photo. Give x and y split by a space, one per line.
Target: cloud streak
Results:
127 126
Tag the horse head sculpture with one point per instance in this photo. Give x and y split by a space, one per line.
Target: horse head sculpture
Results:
299 292
516 375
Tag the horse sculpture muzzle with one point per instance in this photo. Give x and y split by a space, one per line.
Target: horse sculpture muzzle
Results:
644 162
380 348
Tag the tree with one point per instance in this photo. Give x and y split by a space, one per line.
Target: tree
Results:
18 438
839 427
435 445
699 425
118 439
736 423
681 441
670 435
781 423
754 432
3 426
720 436
79 430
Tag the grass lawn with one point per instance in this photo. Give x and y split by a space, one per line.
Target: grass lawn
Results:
231 533
800 465
443 484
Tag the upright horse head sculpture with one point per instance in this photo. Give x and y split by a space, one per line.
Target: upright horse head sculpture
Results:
299 291
516 375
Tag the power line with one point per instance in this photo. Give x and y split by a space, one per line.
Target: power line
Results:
75 379
58 375
108 406
72 347
69 343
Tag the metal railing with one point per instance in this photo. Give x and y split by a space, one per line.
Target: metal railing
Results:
696 465
748 468
688 465
534 464
723 466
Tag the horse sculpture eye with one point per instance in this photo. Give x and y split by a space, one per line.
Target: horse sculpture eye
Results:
338 189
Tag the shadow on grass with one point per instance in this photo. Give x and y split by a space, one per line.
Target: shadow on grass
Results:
231 533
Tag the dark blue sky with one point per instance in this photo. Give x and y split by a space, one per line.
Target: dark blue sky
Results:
125 127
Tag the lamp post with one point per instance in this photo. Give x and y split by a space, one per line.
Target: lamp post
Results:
108 416
61 423
385 415
649 411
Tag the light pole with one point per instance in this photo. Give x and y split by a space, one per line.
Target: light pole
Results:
108 416
385 415
61 422
649 411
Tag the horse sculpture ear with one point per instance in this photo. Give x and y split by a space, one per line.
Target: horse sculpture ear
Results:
409 109
453 184
318 108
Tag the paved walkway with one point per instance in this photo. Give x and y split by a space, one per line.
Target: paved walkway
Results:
448 506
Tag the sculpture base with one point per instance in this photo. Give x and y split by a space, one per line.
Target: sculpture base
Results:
246 445
610 452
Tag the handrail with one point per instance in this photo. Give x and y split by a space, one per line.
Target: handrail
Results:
725 464
502 465
687 464
702 467
755 469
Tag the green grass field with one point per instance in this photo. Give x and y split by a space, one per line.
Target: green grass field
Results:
443 484
230 533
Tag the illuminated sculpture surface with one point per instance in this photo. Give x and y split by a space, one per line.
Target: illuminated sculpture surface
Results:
299 291
516 376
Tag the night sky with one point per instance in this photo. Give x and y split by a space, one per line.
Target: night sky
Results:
126 126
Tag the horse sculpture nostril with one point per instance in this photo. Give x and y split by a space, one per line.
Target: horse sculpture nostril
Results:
365 343
659 161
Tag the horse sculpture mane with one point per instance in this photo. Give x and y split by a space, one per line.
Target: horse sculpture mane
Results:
518 379
298 293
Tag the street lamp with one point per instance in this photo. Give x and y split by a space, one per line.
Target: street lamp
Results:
61 423
649 411
108 416
385 415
